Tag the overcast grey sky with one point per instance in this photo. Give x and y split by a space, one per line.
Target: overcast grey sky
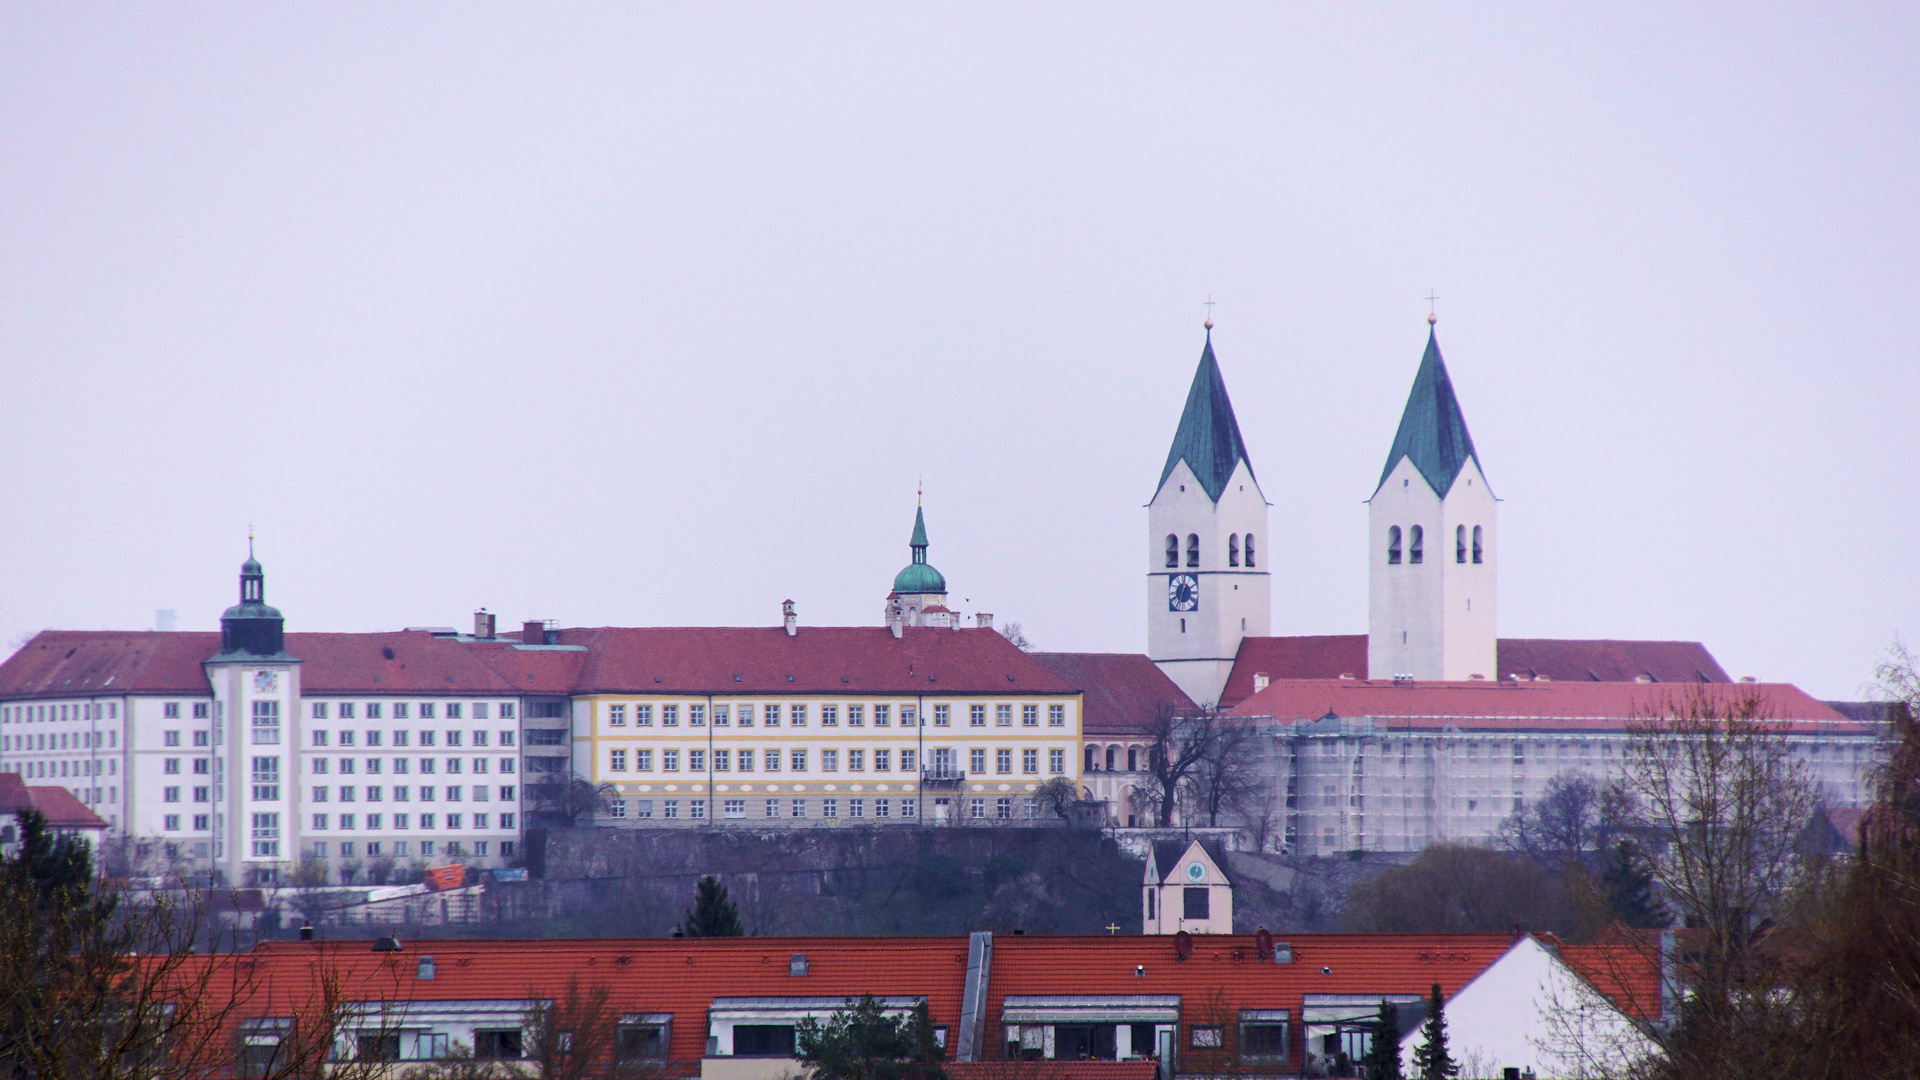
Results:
654 316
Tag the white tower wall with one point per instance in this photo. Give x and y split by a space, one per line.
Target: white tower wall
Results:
1433 620
1196 648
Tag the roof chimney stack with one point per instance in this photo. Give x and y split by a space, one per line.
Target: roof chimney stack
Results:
533 632
483 623
792 621
982 620
896 619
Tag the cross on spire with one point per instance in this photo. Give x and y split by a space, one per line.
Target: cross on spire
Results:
1209 323
1431 317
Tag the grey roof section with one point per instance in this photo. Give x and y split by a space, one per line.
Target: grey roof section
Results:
1208 438
1167 853
1433 431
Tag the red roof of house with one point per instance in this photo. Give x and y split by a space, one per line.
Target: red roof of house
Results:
817 659
62 810
1526 706
1125 692
1329 656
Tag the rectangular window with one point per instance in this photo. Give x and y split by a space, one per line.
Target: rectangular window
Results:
618 762
906 760
669 761
670 808
977 808
829 808
266 724
734 808
1030 762
426 737
1056 715
642 760
506 713
1029 716
400 738
1003 716
319 794
617 716
771 760
426 710
202 710
830 716
319 738
1056 761
373 738
171 822
882 760
697 808
506 737
1003 761
977 761
617 808
769 715
746 761
909 807
696 761
346 710
880 807
773 807
1195 903
977 716
401 710
882 715
720 716
798 759
856 808
1202 1036
643 716
697 716
373 710
856 760
856 716
199 738
171 766
669 716
800 808
171 710
797 715
1003 808
319 821
317 710
479 710
722 760
642 808
942 715
453 710
426 766
829 761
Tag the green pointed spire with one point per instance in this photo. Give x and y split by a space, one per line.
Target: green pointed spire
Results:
1208 438
1433 431
919 541
919 576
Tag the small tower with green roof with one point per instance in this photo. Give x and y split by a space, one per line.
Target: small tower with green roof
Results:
919 596
1432 537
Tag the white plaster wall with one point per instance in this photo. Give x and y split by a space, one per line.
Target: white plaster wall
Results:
1434 620
1235 602
1468 642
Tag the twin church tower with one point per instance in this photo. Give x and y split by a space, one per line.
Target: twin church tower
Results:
1431 544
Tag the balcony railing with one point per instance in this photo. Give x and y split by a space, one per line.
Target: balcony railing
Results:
939 777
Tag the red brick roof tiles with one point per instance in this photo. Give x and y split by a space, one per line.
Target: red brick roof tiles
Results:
1124 692
62 810
1526 706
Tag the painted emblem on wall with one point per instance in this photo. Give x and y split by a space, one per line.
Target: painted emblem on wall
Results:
1196 872
1183 592
266 682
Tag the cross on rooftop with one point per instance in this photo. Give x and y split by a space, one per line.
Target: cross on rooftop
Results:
1113 928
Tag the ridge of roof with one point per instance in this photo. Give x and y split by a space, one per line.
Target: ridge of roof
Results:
1208 438
1433 430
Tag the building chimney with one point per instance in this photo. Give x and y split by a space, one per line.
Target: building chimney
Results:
791 620
166 620
483 622
1260 681
982 620
533 632
896 619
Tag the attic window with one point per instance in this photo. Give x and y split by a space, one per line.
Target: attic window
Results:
388 653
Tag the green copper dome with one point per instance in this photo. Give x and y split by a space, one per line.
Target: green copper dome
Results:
919 576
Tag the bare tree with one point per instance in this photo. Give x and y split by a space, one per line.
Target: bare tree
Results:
1017 634
1563 826
1177 744
1455 889
1226 776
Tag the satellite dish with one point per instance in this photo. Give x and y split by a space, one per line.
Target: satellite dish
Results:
1182 945
1263 943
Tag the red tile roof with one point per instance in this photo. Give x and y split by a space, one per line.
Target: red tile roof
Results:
62 810
1526 706
1329 656
819 659
1125 692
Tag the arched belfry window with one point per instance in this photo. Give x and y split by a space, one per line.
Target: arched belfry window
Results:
1476 543
1093 759
1233 549
1173 551
1459 543
1393 545
1193 549
1249 549
1415 536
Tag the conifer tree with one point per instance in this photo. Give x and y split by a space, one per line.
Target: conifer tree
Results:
713 914
1383 1052
1431 1059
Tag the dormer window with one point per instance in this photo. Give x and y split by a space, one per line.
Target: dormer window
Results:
1476 543
1393 545
1173 551
1233 550
1414 551
1193 549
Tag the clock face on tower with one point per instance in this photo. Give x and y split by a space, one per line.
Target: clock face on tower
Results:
1183 592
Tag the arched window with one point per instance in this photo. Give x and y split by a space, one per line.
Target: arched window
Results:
1249 549
1393 545
1173 551
1476 543
1459 543
1414 550
1133 759
1093 759
1113 754
1193 549
1233 550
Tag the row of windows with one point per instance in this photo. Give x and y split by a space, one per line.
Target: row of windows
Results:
62 740
403 821
404 793
796 714
743 760
476 737
54 712
403 710
735 809
401 849
373 765
34 770
1238 548
1416 544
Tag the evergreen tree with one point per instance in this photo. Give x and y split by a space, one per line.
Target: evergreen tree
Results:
1383 1052
862 1042
1627 882
713 914
1431 1059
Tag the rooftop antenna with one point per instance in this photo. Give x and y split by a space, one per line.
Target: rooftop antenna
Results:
1431 317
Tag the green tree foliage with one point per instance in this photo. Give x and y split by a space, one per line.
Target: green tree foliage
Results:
862 1042
1431 1059
1456 889
1626 881
1383 1052
713 914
